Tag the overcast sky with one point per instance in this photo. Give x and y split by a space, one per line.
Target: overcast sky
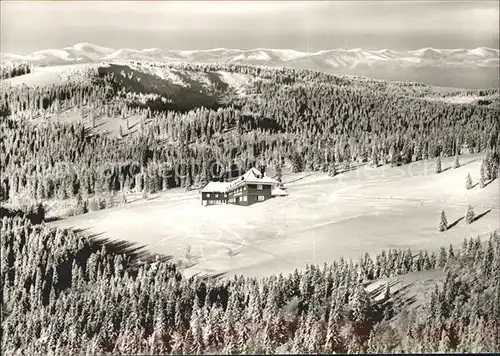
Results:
28 26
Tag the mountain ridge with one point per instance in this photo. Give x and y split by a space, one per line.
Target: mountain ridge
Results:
460 67
91 52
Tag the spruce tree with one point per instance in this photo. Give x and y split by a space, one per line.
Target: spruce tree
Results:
387 292
468 182
279 172
374 158
297 162
187 182
494 165
457 162
332 172
469 215
442 258
482 178
438 165
443 223
444 342
145 188
486 165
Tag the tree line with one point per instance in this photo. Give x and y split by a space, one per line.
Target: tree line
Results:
63 293
14 69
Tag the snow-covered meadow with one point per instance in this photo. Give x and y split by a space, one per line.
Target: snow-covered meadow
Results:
322 219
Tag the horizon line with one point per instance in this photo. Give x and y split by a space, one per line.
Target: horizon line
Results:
250 49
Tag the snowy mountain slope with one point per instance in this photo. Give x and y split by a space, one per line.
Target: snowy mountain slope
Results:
128 54
336 57
88 51
79 53
474 63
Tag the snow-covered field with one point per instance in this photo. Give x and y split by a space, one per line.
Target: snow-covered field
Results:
457 99
104 124
240 82
322 219
43 76
412 289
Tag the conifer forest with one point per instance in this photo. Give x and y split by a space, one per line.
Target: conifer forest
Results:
126 225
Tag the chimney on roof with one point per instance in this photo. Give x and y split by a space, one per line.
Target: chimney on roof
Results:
262 170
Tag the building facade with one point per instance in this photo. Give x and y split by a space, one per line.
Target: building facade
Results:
247 194
214 193
252 187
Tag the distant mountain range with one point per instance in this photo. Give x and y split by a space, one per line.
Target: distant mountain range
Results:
469 68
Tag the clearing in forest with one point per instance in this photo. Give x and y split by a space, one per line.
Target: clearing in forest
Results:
323 218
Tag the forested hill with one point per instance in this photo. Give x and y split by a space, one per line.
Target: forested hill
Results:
63 294
181 124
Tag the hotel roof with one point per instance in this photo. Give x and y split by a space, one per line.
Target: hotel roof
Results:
253 176
219 187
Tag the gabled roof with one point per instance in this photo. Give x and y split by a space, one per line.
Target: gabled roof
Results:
253 171
253 176
215 187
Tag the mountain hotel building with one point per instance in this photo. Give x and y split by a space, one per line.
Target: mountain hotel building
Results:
252 187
